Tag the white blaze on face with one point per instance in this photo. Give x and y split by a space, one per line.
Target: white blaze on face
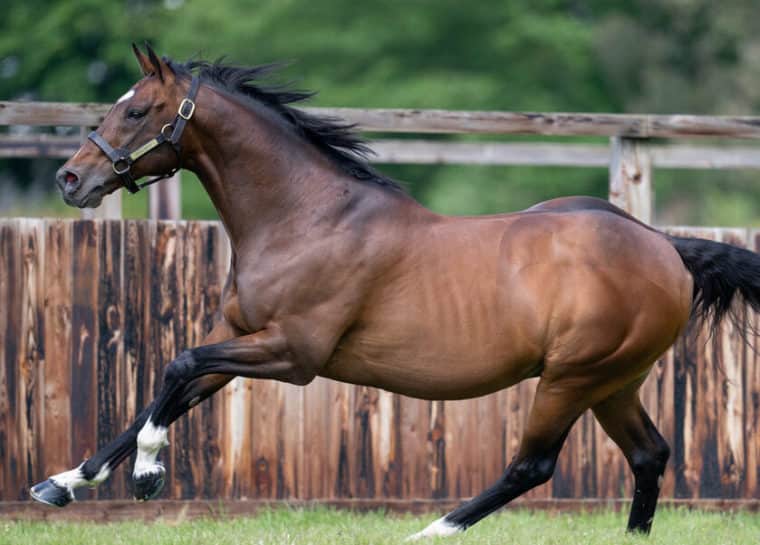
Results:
126 96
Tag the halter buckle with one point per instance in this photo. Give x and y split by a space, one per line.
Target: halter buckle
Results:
185 103
126 168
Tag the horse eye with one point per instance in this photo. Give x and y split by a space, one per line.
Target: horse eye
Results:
135 114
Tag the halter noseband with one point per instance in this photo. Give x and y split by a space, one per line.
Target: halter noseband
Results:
122 160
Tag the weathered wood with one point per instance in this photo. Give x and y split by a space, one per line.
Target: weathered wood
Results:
37 145
52 113
751 383
30 395
10 320
110 348
94 311
58 311
731 354
631 178
84 347
393 151
166 316
445 121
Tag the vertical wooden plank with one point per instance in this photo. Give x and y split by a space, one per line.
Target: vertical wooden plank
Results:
437 448
11 283
730 372
415 470
752 400
456 448
187 444
341 470
84 347
696 407
30 394
166 316
214 411
58 292
316 436
488 458
291 448
110 353
138 242
631 177
265 425
362 445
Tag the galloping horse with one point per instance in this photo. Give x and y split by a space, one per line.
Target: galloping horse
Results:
336 272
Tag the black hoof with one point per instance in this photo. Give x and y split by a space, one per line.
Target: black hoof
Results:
149 485
49 493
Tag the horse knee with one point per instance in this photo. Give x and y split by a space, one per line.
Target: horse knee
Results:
531 471
180 369
650 464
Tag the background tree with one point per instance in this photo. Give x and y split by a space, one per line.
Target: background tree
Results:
661 56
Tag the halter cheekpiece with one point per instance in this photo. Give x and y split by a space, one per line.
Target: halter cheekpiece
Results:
122 159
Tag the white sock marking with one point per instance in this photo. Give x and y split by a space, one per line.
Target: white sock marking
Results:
440 527
126 96
74 478
149 441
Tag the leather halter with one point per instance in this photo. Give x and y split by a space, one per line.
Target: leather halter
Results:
122 159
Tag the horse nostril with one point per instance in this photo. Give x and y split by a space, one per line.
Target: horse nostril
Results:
67 180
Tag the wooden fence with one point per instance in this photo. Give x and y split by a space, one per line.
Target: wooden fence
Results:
93 310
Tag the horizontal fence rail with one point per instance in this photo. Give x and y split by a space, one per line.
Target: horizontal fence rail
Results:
445 121
389 151
93 311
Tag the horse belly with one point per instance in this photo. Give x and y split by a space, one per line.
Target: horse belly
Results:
421 360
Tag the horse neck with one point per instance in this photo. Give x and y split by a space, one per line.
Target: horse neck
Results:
258 173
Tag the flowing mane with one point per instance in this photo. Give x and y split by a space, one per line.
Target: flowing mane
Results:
336 139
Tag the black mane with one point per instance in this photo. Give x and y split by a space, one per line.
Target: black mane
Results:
338 140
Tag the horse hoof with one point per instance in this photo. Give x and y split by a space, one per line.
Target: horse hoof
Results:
149 485
50 493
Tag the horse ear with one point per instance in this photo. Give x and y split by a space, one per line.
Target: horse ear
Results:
143 60
159 66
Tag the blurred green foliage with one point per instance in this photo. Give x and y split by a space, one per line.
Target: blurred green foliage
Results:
658 56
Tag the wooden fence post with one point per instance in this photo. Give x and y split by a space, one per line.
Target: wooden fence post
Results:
110 208
164 199
631 177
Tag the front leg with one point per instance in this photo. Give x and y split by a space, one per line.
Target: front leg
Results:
264 354
58 490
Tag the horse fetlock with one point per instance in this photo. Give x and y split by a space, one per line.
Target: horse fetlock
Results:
152 438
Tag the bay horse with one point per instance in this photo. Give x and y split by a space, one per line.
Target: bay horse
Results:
337 272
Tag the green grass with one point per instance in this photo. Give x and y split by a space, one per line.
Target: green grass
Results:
329 527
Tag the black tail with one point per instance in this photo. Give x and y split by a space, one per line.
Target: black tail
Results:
723 275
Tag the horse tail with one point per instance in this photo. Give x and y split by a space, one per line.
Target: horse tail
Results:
724 275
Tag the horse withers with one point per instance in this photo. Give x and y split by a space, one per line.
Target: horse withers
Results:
337 272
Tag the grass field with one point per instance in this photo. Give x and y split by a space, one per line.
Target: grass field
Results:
330 527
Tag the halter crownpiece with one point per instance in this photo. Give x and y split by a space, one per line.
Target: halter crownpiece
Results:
122 159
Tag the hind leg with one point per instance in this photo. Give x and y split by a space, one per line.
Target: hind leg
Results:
554 411
624 419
